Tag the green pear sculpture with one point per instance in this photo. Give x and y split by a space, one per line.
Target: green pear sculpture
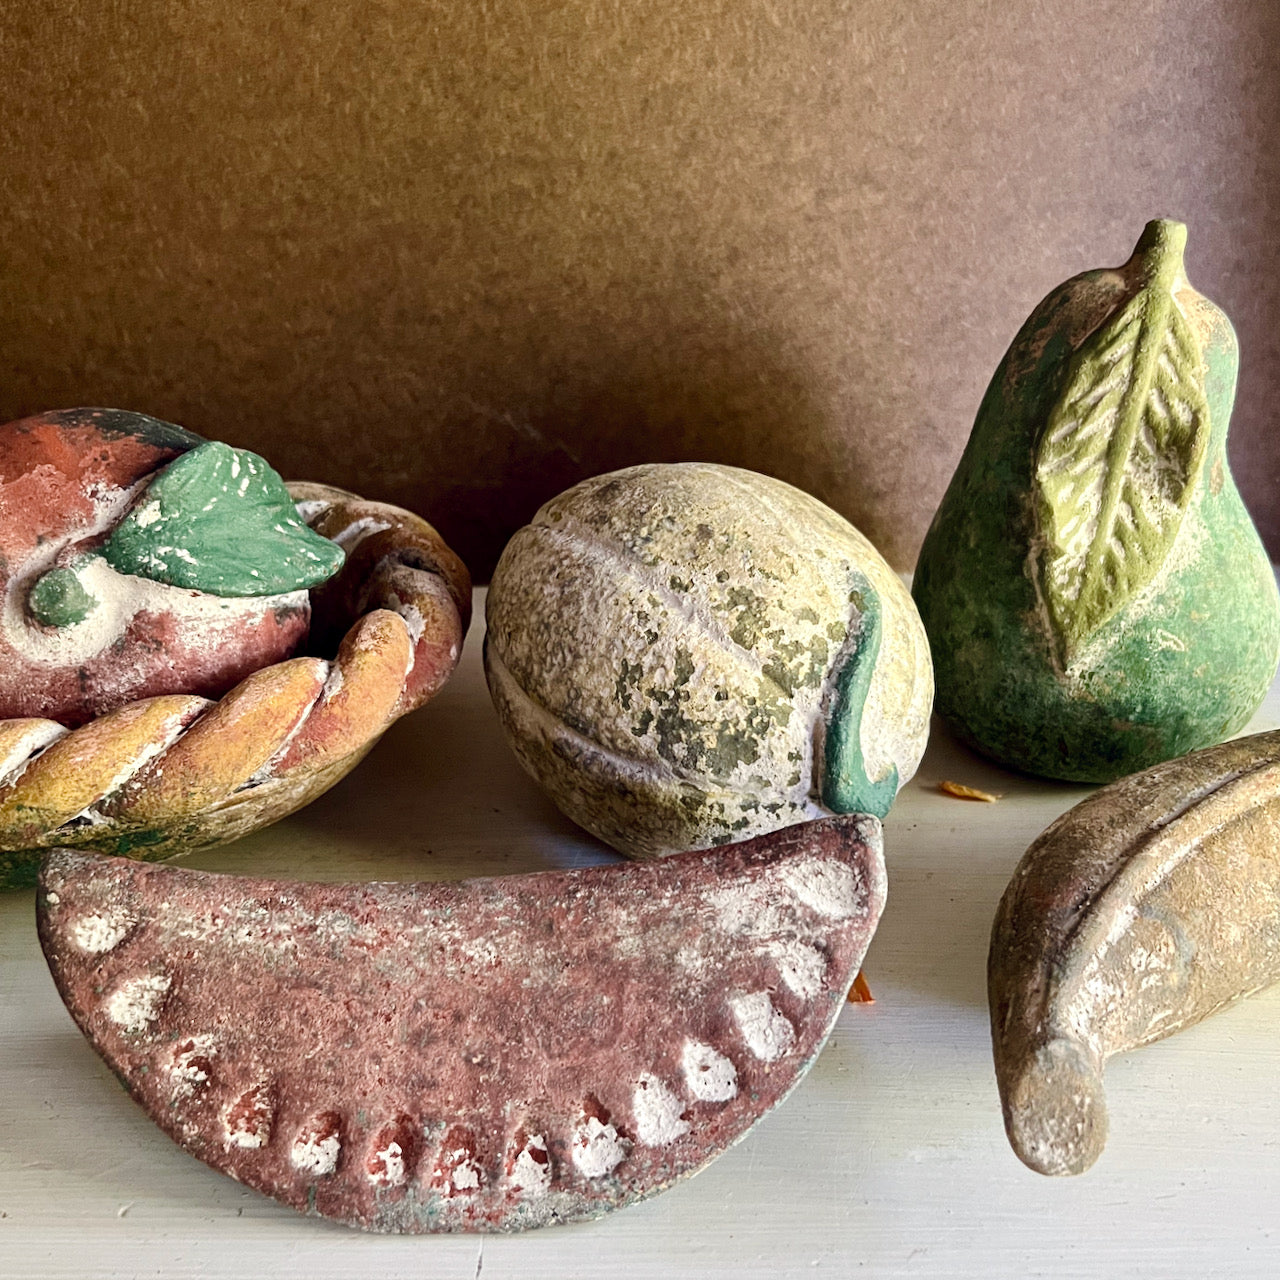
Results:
1096 597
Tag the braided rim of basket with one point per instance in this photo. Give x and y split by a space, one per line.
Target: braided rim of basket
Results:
166 774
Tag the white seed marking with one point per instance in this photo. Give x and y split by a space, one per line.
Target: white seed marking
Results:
315 1153
187 1070
389 1170
829 888
659 1121
531 1169
466 1172
711 1077
135 1003
100 931
248 1119
801 966
767 1032
597 1148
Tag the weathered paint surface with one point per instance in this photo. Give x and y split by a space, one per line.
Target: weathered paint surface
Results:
485 1055
1150 905
162 776
672 647
1094 591
78 637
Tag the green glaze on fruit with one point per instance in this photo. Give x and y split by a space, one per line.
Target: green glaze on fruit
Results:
59 599
1156 630
845 785
219 520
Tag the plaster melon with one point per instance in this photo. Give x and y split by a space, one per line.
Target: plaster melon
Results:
688 654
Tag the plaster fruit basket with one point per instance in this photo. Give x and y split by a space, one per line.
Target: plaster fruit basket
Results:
689 654
149 715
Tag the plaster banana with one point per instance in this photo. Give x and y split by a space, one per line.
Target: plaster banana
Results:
1150 905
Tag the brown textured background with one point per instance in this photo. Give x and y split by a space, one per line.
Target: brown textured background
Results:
458 255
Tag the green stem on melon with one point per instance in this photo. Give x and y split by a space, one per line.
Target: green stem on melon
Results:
846 788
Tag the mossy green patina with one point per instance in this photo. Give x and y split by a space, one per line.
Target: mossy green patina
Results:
1186 654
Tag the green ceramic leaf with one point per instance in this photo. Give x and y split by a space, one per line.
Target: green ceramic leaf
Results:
220 520
1122 451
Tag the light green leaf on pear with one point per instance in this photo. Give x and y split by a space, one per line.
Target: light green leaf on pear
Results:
1122 452
219 520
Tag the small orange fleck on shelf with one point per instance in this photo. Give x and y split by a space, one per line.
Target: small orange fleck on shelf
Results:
961 792
860 993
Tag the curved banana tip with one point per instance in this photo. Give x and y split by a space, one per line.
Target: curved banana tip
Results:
1055 1110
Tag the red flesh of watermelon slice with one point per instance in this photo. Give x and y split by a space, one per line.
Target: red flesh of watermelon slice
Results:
483 1055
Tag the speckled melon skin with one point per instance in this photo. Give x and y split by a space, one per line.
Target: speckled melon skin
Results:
664 650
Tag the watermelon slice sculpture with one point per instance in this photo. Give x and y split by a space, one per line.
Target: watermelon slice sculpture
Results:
485 1055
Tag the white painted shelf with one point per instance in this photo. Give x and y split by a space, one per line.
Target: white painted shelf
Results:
889 1159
